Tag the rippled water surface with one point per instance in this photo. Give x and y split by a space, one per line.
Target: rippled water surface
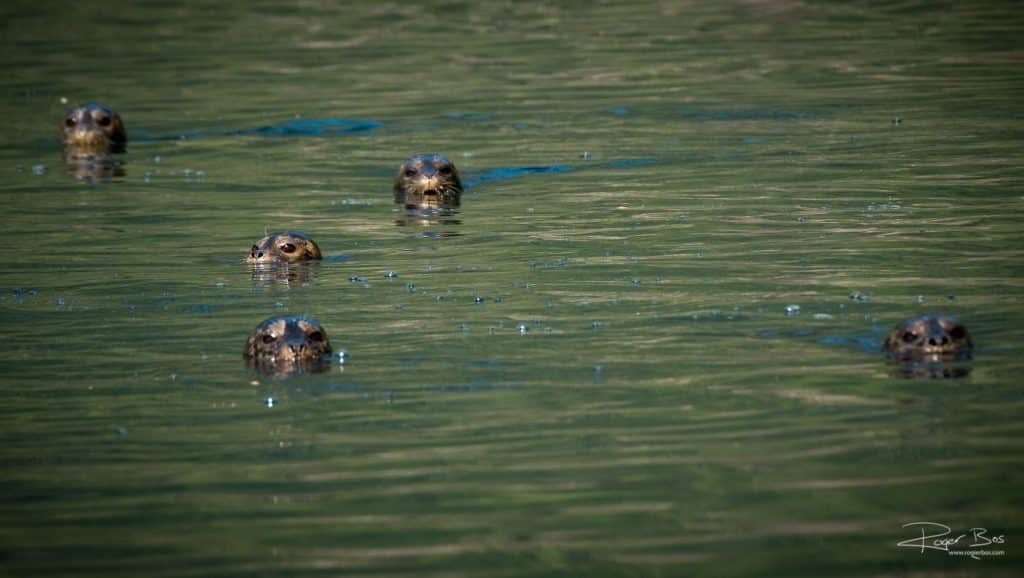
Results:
588 369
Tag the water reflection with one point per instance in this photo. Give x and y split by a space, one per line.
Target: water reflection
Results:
928 370
92 168
285 274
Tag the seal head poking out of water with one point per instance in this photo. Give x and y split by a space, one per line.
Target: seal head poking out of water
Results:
286 247
288 346
92 129
428 181
929 338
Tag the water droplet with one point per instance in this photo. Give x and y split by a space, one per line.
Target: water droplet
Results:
390 275
522 329
792 310
342 356
478 300
39 170
270 401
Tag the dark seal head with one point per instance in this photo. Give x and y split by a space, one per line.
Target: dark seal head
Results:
93 129
286 247
288 346
929 338
428 181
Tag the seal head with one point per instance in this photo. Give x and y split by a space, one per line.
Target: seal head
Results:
428 181
286 247
929 338
288 346
93 129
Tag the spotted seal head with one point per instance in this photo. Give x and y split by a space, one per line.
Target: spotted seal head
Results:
428 181
929 338
93 129
286 247
288 346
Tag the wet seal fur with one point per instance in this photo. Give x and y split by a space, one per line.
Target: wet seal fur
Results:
929 338
284 346
91 133
92 129
428 181
284 247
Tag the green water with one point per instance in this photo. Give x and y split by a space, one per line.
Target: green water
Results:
585 373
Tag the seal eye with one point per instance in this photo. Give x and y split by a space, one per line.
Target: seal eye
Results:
103 121
909 337
69 121
957 333
288 248
316 337
410 173
268 338
445 170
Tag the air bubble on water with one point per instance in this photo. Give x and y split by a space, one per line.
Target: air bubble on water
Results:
920 298
585 155
497 299
549 329
860 297
951 297
342 356
390 275
822 316
478 300
278 305
464 328
39 170
270 401
522 329
409 287
596 324
156 159
792 310
356 279
634 281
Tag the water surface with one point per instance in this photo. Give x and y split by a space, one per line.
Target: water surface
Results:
588 370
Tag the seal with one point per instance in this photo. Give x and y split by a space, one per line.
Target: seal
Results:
287 346
285 247
929 337
428 181
92 129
